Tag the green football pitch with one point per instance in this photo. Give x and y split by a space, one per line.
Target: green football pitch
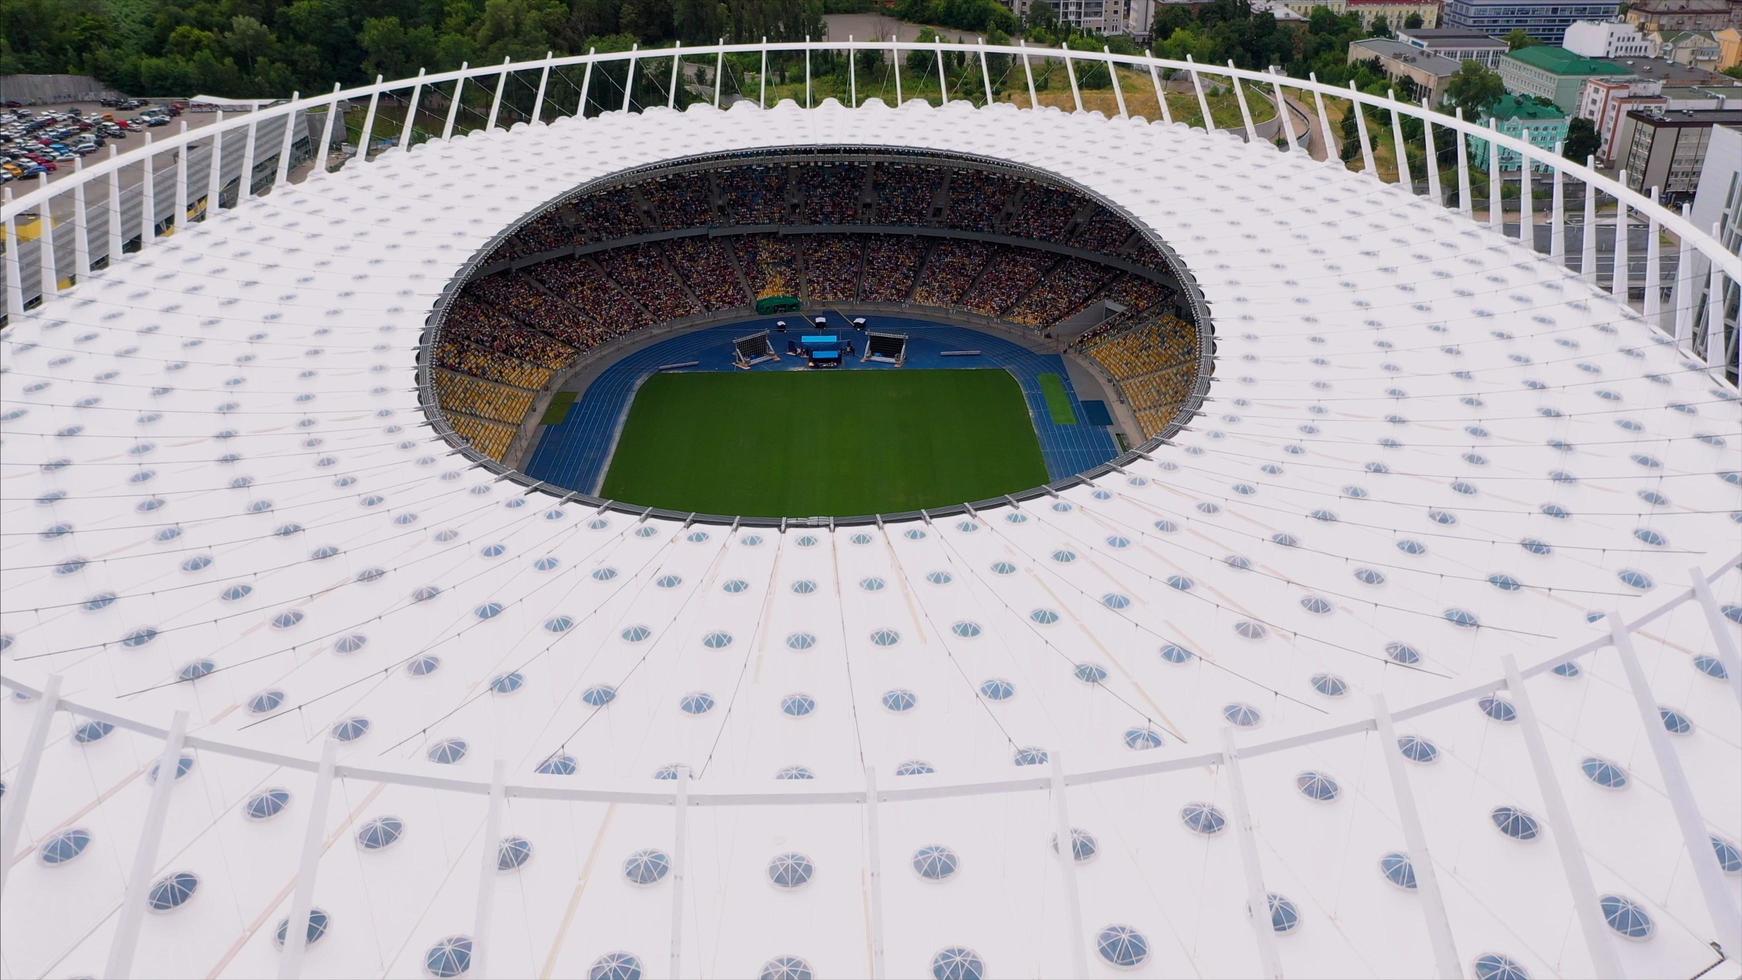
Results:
812 443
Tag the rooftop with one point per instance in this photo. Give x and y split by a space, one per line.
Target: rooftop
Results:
1700 118
1672 72
1519 107
1408 54
1560 61
1452 37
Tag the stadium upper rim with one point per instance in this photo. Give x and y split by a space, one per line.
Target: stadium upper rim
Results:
1567 569
481 261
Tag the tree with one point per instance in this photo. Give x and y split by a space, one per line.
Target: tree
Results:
248 39
1381 27
1582 141
1474 88
1412 23
1518 38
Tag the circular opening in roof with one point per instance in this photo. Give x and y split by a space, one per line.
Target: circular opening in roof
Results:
802 331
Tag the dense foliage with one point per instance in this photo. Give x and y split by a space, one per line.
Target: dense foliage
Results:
272 47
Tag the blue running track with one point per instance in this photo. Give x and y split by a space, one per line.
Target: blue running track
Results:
576 452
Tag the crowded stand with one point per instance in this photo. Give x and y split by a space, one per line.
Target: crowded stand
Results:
680 201
830 194
950 268
606 272
831 265
905 193
1043 214
753 195
1009 274
639 271
1102 231
1066 288
769 265
705 264
586 289
891 264
977 198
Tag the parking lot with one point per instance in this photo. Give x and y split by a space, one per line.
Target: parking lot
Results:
35 139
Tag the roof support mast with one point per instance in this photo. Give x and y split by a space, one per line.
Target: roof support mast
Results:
1561 829
1720 903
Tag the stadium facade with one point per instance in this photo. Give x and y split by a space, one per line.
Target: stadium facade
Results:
1411 651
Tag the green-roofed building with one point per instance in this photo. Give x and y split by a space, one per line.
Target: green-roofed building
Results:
1522 118
1554 73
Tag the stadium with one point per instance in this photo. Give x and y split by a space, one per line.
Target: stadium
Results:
753 540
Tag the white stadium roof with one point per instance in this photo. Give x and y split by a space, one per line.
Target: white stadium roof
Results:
1426 453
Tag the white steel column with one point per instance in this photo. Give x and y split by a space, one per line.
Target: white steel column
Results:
1721 905
24 777
1368 167
1240 97
807 72
302 898
132 913
181 180
720 70
1557 226
943 86
1619 274
874 871
679 868
762 79
45 260
1588 243
628 80
1682 296
1715 310
1118 90
1028 71
1653 307
985 72
1067 854
214 169
369 121
245 184
1071 72
586 82
147 195
489 868
1561 830
81 232
1160 96
1257 898
454 103
1723 644
676 63
1398 146
1287 118
14 291
1496 189
411 111
1526 207
543 81
1432 156
1203 105
496 102
1427 881
894 61
281 176
1466 203
116 243
326 143
1333 150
